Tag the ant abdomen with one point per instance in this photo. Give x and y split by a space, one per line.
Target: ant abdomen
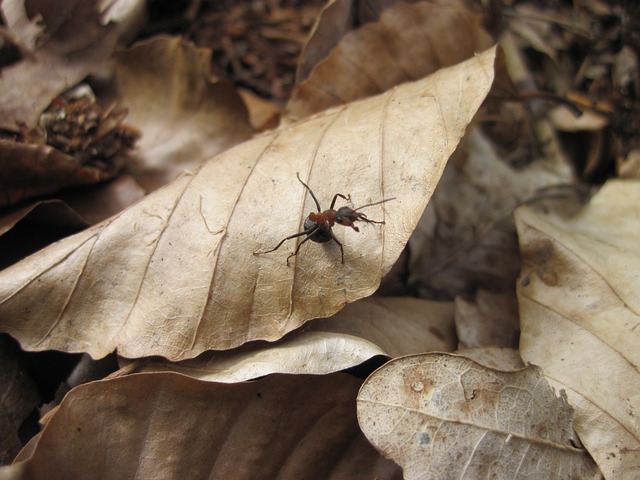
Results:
321 234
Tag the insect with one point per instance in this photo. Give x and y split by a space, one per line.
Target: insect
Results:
317 226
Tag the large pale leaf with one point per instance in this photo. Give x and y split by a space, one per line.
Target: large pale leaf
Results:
175 275
445 416
171 426
579 295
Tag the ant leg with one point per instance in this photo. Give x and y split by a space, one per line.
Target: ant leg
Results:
339 244
311 192
335 197
308 231
297 249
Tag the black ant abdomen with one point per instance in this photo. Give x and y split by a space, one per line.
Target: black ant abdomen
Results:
322 234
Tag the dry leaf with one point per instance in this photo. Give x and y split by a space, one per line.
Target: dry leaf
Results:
579 296
566 120
33 227
30 170
408 42
175 275
316 353
185 119
171 426
445 416
25 30
78 208
360 331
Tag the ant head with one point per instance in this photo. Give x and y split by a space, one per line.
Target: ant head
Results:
347 216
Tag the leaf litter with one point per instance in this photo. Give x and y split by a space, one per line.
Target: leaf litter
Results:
378 329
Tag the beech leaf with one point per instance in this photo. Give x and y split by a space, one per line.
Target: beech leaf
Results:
445 416
176 274
579 296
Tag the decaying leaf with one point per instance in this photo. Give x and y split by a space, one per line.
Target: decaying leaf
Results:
301 427
408 42
579 296
77 142
364 329
445 416
175 275
184 117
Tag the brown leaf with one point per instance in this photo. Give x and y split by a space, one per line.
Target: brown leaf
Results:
445 416
185 119
316 353
408 42
579 295
175 275
171 426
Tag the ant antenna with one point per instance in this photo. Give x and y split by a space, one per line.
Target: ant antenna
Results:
374 203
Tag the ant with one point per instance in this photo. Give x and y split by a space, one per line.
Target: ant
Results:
317 226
